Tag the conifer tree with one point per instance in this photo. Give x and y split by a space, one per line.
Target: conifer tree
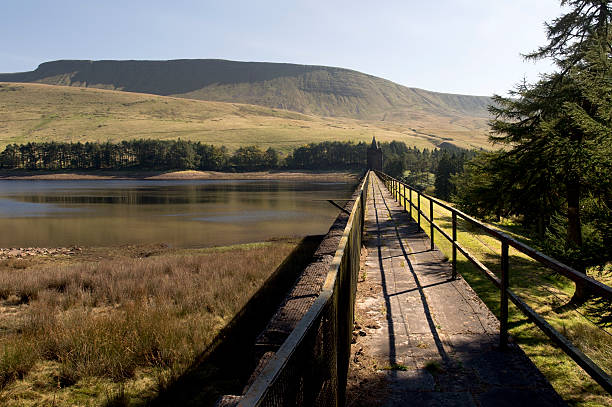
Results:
445 169
559 129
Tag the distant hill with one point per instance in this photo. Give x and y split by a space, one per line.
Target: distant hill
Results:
39 112
317 90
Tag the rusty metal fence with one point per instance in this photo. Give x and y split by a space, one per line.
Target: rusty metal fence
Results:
311 366
410 198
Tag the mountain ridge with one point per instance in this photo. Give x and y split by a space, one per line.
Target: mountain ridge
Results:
311 89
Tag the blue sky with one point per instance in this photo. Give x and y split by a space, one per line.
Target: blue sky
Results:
457 46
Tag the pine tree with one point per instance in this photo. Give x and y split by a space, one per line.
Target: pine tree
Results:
558 127
445 169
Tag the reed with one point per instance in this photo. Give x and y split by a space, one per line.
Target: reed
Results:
112 319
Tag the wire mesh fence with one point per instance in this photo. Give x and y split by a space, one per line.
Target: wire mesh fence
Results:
311 366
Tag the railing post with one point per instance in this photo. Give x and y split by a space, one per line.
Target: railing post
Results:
431 222
503 309
404 200
395 189
419 207
410 201
454 245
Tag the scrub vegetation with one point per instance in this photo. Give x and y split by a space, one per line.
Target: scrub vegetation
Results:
117 325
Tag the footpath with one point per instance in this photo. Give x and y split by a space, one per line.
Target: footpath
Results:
434 342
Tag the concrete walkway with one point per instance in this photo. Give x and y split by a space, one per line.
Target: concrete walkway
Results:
436 337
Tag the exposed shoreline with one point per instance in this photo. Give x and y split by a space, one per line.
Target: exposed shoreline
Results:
178 175
139 250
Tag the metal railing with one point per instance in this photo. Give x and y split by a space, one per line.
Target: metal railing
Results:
398 190
311 366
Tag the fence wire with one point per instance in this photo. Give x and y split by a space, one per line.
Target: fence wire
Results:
311 367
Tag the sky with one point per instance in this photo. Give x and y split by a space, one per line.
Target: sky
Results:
456 46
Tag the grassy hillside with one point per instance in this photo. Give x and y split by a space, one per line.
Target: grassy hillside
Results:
38 112
319 90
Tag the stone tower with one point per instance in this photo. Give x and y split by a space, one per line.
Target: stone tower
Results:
375 156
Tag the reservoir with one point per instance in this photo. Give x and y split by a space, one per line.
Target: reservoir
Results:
192 213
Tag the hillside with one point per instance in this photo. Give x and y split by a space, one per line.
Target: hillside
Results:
318 90
38 112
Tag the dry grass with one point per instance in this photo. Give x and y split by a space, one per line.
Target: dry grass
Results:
35 112
95 325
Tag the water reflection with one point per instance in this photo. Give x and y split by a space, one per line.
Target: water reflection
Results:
180 213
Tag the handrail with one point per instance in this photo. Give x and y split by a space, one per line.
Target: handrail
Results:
274 368
398 190
569 272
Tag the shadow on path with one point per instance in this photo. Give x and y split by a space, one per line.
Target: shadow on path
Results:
452 360
413 229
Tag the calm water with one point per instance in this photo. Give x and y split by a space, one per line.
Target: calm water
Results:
179 213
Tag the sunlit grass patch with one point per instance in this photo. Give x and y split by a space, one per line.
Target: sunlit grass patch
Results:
396 366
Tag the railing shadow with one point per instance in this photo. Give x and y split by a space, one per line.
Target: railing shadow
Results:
390 223
479 375
474 373
386 296
430 322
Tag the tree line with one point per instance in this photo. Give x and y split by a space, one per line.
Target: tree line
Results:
171 155
164 155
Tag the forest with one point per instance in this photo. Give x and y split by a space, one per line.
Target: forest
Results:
165 155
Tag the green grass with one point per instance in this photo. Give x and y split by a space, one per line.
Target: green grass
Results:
396 366
547 293
36 112
434 367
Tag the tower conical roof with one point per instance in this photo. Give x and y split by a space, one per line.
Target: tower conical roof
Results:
374 143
